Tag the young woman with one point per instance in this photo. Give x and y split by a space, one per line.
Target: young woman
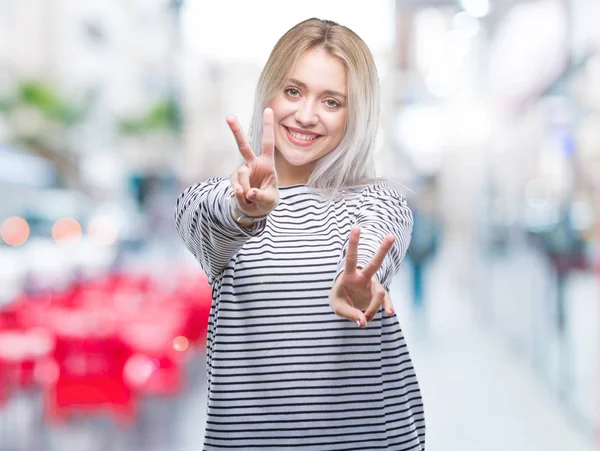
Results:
301 239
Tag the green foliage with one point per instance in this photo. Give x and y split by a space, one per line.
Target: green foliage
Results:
5 106
162 116
44 98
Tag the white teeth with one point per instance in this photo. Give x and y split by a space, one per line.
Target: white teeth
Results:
301 136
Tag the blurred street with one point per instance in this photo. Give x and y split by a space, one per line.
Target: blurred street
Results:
480 390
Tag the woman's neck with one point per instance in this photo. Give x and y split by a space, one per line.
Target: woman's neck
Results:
288 175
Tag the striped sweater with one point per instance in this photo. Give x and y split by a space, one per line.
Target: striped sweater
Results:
284 372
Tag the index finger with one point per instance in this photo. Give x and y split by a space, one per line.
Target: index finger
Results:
240 139
268 135
373 266
352 252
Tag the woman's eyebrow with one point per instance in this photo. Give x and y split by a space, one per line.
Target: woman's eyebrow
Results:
328 91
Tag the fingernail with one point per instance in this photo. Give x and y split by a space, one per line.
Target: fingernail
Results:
358 322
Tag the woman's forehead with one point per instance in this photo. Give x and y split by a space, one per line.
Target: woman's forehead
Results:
318 68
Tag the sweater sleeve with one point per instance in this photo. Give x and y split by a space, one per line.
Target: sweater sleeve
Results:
204 223
381 211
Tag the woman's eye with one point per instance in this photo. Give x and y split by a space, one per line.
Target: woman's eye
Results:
292 92
332 103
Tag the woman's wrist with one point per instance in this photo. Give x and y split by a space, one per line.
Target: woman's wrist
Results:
240 216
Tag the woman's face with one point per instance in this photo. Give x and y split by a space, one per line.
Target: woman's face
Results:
310 115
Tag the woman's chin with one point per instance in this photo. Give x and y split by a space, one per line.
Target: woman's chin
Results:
297 159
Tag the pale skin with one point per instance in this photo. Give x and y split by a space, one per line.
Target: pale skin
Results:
355 294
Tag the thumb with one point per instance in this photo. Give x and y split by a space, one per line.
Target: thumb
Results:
264 196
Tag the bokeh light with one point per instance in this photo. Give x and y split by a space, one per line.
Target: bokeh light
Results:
138 369
66 229
102 230
476 8
14 231
180 343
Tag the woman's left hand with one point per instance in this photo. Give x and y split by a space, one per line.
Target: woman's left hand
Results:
355 295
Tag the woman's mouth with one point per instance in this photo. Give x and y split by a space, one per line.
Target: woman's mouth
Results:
300 138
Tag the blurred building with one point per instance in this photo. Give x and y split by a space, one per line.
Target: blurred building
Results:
115 62
498 100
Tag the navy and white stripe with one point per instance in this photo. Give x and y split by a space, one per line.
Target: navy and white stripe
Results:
284 372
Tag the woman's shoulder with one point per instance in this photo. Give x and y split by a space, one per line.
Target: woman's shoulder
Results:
205 184
197 191
213 181
384 188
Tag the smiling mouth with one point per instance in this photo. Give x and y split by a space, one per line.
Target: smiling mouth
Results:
301 139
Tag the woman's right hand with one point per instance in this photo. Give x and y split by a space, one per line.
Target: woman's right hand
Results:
255 182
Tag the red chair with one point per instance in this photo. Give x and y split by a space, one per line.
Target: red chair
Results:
20 352
4 392
195 295
154 376
155 366
90 360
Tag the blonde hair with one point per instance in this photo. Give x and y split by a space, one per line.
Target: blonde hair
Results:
351 162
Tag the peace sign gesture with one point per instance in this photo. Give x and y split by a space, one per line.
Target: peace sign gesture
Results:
255 182
355 290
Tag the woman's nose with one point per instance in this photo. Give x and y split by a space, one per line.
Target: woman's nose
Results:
307 113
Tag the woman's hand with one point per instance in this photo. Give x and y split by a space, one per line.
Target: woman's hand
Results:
355 291
255 182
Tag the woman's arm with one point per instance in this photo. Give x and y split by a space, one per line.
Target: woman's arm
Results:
204 217
205 224
382 211
371 255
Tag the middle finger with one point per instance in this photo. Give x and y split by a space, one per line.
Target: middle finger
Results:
373 266
268 138
352 252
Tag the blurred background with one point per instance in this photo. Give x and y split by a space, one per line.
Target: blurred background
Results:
490 126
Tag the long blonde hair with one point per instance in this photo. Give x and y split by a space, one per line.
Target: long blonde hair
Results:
351 162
